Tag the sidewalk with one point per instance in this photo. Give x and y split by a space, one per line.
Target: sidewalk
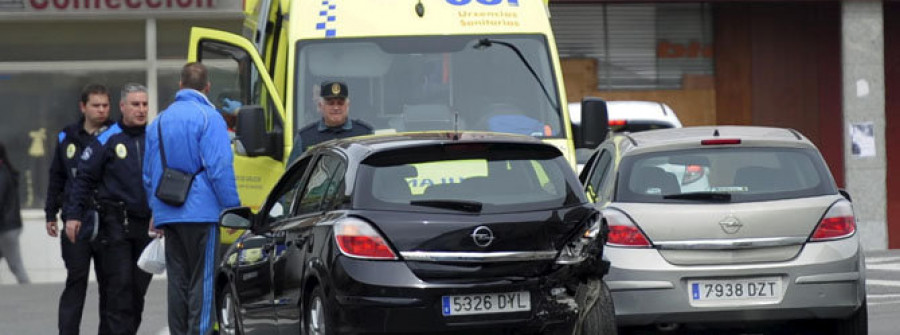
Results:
40 253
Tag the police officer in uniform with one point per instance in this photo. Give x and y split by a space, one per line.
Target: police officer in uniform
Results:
334 105
109 167
73 139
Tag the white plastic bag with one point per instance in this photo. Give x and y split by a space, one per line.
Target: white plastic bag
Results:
153 258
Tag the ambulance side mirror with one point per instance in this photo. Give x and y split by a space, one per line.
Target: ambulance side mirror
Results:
252 134
594 123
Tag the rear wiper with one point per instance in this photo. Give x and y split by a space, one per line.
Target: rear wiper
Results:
715 196
460 205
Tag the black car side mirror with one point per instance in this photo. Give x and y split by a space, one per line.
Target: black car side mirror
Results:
236 218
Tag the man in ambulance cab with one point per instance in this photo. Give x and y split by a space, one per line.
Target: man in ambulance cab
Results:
334 105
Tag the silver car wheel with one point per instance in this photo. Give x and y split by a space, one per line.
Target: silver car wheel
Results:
317 317
227 316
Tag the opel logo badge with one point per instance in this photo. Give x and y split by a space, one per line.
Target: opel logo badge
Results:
730 224
483 236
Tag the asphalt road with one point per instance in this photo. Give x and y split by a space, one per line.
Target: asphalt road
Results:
31 309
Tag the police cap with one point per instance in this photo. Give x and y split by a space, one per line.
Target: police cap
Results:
334 89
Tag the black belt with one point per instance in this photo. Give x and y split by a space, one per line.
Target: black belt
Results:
119 208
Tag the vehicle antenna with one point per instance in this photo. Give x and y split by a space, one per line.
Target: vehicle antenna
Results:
456 124
716 133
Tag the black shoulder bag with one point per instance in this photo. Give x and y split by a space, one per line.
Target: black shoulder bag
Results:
174 185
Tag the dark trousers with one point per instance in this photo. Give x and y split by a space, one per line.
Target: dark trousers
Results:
77 257
190 261
140 280
124 284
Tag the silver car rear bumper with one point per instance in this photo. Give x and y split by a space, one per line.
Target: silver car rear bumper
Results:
826 280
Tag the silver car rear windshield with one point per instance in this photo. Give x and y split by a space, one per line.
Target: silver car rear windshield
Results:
633 126
722 174
473 178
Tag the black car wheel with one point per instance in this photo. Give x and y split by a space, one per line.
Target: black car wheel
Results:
600 318
316 314
856 324
229 323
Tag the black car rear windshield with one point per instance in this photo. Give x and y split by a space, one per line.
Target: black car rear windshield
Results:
467 177
723 175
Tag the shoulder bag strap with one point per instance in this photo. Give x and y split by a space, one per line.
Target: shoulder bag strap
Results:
162 149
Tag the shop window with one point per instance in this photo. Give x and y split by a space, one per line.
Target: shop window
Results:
637 46
72 41
174 35
36 107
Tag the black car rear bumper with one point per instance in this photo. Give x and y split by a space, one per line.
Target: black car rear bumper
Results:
386 297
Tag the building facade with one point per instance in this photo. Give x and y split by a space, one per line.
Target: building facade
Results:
826 68
50 49
830 69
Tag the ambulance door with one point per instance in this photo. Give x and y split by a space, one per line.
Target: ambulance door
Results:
253 110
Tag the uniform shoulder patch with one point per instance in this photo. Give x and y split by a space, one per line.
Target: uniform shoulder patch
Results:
106 134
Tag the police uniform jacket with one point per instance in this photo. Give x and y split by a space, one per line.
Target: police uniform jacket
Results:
111 165
71 141
318 132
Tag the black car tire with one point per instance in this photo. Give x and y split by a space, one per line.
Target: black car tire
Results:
316 319
600 319
229 320
856 324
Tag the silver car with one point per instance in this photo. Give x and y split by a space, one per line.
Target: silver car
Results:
722 225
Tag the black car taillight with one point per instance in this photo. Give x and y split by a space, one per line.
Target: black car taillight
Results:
356 238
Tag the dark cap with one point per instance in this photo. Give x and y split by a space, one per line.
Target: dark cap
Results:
334 89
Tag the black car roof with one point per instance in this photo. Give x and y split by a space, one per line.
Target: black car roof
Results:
381 142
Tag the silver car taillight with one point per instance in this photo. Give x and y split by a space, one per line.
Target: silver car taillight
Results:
839 222
622 231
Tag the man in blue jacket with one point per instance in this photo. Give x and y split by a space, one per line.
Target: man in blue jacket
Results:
195 140
106 171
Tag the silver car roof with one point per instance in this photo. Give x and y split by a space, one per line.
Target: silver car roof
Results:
691 137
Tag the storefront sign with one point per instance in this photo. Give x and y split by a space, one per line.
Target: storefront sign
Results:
116 6
693 49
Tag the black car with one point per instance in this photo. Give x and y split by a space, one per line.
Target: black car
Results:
419 233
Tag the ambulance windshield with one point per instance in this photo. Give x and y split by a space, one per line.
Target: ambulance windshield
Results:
435 83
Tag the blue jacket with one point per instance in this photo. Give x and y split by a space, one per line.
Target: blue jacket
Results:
107 166
196 139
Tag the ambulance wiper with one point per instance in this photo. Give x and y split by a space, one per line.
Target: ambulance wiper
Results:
459 205
487 42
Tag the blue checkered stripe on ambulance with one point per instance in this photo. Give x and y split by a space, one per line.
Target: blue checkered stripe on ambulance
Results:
327 18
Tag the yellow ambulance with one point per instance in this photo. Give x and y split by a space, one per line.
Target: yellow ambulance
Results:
410 65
